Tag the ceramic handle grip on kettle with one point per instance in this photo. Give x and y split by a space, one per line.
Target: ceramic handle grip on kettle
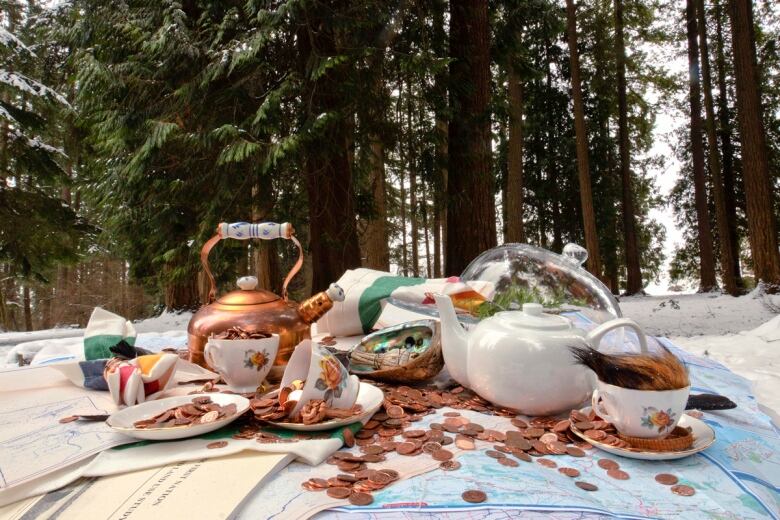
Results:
262 230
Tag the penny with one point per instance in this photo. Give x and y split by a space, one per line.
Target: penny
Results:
216 444
430 447
586 486
547 463
209 417
339 492
608 464
561 426
413 434
667 479
547 438
349 438
522 456
442 455
474 496
406 448
68 419
583 425
391 473
450 465
451 414
519 423
506 461
464 443
394 411
596 435
570 472
318 483
372 449
347 478
534 432
360 499
380 478
618 474
683 490
494 454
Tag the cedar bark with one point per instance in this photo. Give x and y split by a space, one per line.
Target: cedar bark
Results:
442 153
333 239
583 168
633 271
412 182
707 281
471 218
724 233
28 325
515 229
727 149
758 187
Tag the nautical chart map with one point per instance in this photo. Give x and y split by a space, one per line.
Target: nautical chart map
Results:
737 478
33 442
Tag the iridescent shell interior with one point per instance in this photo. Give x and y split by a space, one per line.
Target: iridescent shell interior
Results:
392 347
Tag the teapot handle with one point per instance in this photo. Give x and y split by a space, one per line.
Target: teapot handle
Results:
245 231
594 337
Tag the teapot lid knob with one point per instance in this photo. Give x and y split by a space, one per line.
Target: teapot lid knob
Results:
533 309
247 283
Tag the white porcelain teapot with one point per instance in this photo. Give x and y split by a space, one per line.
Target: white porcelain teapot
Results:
521 359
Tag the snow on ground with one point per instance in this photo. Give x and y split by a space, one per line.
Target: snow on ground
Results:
741 333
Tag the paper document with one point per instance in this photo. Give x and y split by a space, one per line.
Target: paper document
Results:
211 488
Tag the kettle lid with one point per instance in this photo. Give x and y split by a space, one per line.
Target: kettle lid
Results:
247 294
533 317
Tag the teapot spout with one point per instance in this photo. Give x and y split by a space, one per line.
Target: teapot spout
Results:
454 340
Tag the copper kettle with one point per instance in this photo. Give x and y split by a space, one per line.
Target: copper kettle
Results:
255 309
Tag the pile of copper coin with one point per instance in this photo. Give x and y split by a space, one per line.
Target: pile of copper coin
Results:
315 411
239 333
200 411
536 440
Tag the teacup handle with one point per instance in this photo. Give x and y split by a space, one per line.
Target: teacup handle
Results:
208 353
596 405
594 337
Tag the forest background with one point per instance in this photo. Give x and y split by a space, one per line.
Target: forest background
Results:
401 135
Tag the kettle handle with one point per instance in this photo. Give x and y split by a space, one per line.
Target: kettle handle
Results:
594 336
245 231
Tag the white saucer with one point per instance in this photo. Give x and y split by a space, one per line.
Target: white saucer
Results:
122 421
369 397
703 437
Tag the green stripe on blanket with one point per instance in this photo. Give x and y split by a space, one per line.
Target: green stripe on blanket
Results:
97 347
370 301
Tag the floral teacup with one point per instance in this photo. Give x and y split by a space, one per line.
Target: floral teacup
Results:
326 378
242 363
640 413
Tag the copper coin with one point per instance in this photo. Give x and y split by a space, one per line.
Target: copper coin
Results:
667 479
406 448
391 473
360 499
68 419
547 463
547 438
519 423
216 444
442 455
413 434
372 449
347 478
506 461
451 414
464 443
349 438
450 465
474 496
570 472
561 426
209 417
533 433
339 492
608 464
430 447
683 490
395 411
583 425
495 454
522 456
380 478
318 483
596 435
586 486
618 474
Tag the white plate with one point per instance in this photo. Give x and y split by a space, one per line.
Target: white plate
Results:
122 421
369 397
703 437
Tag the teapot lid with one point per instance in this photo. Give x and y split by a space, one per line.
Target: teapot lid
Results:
247 294
533 317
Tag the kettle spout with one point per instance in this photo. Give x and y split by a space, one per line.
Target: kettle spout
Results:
454 340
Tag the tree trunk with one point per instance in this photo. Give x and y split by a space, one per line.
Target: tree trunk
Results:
724 233
333 239
755 165
376 250
707 281
471 217
633 271
440 180
515 229
265 252
442 158
28 325
428 266
727 150
583 168
411 161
